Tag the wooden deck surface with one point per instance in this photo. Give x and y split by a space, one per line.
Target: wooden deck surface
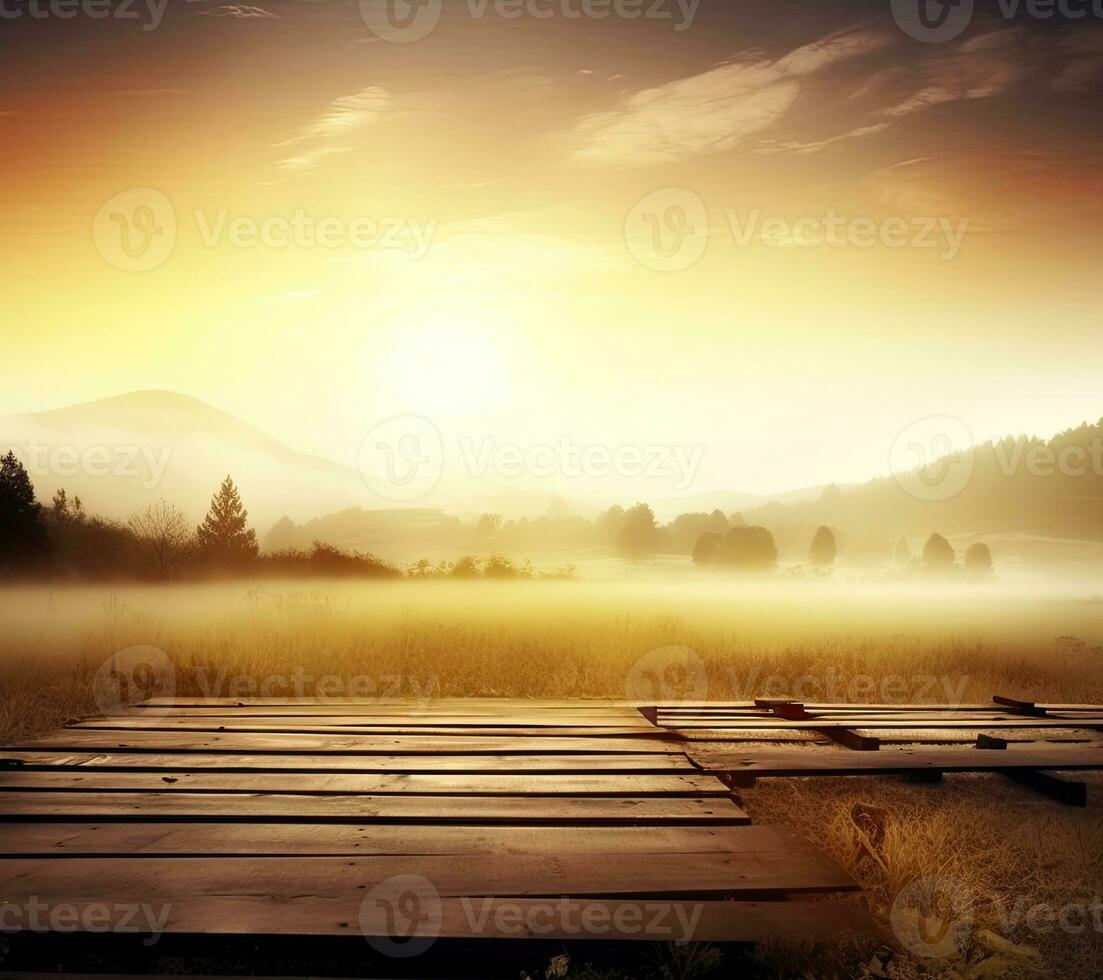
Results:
278 817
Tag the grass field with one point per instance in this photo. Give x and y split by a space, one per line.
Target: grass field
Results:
1012 850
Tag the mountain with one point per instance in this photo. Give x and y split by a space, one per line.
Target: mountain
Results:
120 453
730 501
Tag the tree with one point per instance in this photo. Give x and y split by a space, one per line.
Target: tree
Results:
718 522
488 525
903 553
637 534
224 537
704 551
749 549
938 553
978 560
163 533
66 513
737 520
824 550
24 542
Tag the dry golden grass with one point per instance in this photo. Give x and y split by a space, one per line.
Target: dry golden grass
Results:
583 640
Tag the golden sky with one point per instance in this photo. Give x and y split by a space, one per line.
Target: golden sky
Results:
614 230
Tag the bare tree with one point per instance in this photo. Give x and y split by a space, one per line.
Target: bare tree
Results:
163 533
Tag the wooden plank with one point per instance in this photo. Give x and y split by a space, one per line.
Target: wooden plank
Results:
260 807
888 761
250 742
485 715
852 740
747 706
324 881
559 920
889 721
122 760
175 839
297 727
461 704
1071 792
356 784
875 718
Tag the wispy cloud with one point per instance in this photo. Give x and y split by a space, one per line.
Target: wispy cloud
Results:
335 130
239 11
710 112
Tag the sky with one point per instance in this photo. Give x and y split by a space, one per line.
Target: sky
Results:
778 234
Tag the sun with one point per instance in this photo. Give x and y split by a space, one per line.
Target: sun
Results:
448 363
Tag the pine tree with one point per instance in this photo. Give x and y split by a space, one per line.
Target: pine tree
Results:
23 539
224 536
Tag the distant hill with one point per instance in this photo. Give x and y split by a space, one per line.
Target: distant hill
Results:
729 501
119 453
1018 485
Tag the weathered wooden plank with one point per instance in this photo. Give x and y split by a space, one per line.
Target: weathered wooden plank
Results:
174 839
295 727
889 721
536 715
649 764
461 704
878 718
249 742
888 761
323 881
260 807
1071 792
466 784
